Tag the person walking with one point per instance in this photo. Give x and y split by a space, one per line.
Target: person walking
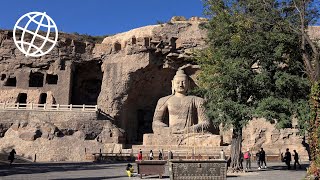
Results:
247 158
287 158
11 156
151 155
296 159
160 155
263 158
258 154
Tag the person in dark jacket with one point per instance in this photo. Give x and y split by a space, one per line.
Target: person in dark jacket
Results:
160 155
258 159
296 159
263 158
287 158
11 156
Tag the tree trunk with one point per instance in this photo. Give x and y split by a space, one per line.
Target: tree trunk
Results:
236 144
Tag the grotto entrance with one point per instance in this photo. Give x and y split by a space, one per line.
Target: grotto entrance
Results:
86 82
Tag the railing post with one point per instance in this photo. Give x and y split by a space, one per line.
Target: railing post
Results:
44 106
96 108
4 105
70 107
83 107
17 105
58 106
31 106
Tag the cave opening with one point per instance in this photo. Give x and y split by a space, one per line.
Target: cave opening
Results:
3 77
11 81
43 98
52 79
86 82
148 86
22 98
36 79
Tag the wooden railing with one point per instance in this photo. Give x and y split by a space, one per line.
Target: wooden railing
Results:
48 107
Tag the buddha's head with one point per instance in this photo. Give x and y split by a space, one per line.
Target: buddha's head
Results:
180 82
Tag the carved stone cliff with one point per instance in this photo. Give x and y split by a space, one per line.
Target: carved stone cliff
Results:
125 75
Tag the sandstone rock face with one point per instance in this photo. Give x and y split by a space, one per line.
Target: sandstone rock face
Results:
125 76
260 133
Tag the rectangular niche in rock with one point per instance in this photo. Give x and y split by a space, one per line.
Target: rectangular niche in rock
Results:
52 79
36 79
11 81
3 77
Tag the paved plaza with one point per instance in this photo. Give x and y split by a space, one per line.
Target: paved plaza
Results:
99 171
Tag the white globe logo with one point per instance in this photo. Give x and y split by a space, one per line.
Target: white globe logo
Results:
39 44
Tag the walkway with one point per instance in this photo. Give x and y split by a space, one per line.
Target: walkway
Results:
93 171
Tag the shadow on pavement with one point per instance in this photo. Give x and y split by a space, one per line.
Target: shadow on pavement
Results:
34 168
92 178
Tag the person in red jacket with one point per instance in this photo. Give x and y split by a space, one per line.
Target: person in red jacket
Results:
139 155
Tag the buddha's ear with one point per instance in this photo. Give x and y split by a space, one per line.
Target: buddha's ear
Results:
172 87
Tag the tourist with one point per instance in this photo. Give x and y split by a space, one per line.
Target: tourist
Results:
139 155
263 158
151 155
287 158
296 159
258 159
247 158
170 155
241 159
222 155
160 155
11 156
129 170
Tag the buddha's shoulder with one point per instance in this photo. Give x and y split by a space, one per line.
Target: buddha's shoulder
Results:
164 99
196 98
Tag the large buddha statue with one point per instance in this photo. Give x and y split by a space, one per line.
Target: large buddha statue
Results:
186 113
180 119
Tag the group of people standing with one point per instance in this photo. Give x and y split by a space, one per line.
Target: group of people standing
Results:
260 158
150 156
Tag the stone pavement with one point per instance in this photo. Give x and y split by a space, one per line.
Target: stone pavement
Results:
94 171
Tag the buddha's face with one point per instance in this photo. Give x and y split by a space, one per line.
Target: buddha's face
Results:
180 84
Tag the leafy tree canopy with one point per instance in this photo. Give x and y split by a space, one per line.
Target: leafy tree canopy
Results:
253 65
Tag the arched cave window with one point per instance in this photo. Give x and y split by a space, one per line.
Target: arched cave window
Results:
43 98
22 98
117 46
3 76
134 40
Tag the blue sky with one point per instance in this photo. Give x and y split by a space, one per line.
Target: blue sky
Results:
100 17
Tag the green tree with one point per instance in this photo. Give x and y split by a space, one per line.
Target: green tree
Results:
251 68
307 13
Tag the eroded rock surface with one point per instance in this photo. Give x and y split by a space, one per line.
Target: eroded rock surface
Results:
125 75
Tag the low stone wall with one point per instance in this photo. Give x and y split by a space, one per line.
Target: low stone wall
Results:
56 117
